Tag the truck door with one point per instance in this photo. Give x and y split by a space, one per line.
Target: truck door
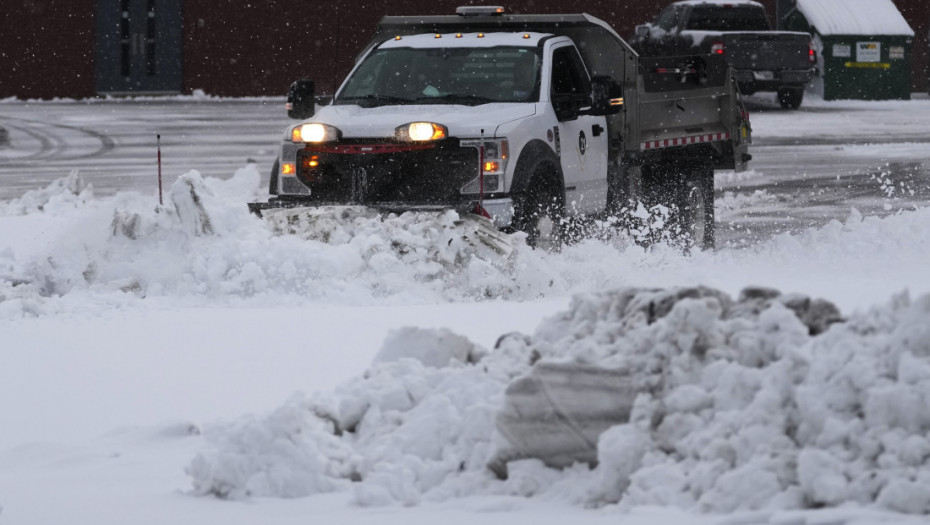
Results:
582 139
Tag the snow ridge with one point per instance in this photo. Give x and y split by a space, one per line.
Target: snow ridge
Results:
203 247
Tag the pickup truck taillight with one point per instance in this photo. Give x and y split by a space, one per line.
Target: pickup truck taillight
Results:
811 54
717 48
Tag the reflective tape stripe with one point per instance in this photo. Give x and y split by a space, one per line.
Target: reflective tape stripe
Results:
684 141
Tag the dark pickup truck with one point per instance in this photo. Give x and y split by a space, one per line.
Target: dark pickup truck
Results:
764 60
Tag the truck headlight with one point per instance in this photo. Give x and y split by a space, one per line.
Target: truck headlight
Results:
315 132
421 131
496 155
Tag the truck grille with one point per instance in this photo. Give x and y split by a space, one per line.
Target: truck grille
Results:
385 171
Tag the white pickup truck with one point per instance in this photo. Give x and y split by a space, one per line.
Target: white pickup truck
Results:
529 120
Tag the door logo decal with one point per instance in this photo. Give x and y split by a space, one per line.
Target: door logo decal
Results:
582 147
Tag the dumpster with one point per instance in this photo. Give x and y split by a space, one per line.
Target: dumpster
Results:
863 48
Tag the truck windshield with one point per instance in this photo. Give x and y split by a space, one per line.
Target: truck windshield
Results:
728 18
466 75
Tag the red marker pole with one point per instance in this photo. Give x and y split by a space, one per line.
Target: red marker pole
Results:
481 174
158 143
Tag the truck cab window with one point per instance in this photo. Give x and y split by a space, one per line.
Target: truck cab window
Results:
668 18
728 18
466 75
568 73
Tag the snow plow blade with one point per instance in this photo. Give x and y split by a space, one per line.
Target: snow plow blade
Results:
454 231
259 208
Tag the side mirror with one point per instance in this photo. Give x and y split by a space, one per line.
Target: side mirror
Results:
606 96
642 30
300 99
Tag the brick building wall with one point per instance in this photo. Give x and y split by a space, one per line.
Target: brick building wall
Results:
47 49
256 48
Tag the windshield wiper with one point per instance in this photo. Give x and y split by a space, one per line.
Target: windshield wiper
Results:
375 100
457 98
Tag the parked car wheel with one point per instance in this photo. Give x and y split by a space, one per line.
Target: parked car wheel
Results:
790 98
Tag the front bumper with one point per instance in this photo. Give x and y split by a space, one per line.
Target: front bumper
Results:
387 175
376 171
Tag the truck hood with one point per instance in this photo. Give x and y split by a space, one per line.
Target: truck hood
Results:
462 121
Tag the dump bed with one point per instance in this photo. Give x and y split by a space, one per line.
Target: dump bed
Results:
686 100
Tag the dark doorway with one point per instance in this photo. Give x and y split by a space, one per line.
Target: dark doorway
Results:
138 46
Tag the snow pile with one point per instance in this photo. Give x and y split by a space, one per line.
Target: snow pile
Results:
203 243
390 436
741 408
769 401
62 194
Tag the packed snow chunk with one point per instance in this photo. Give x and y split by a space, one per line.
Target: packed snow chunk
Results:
393 436
746 487
187 194
630 444
436 348
558 411
68 192
290 453
822 477
902 495
196 206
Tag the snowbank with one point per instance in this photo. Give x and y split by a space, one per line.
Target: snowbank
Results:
66 250
202 243
768 401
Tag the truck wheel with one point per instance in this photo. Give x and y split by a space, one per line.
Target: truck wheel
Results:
790 98
540 217
273 179
696 209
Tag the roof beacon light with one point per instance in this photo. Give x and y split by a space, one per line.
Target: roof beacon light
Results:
479 10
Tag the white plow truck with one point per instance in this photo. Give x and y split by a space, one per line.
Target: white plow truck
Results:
527 120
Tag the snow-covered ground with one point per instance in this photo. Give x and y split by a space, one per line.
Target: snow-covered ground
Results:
186 363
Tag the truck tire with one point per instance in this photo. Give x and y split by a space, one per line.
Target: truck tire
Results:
696 209
790 98
273 179
540 211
